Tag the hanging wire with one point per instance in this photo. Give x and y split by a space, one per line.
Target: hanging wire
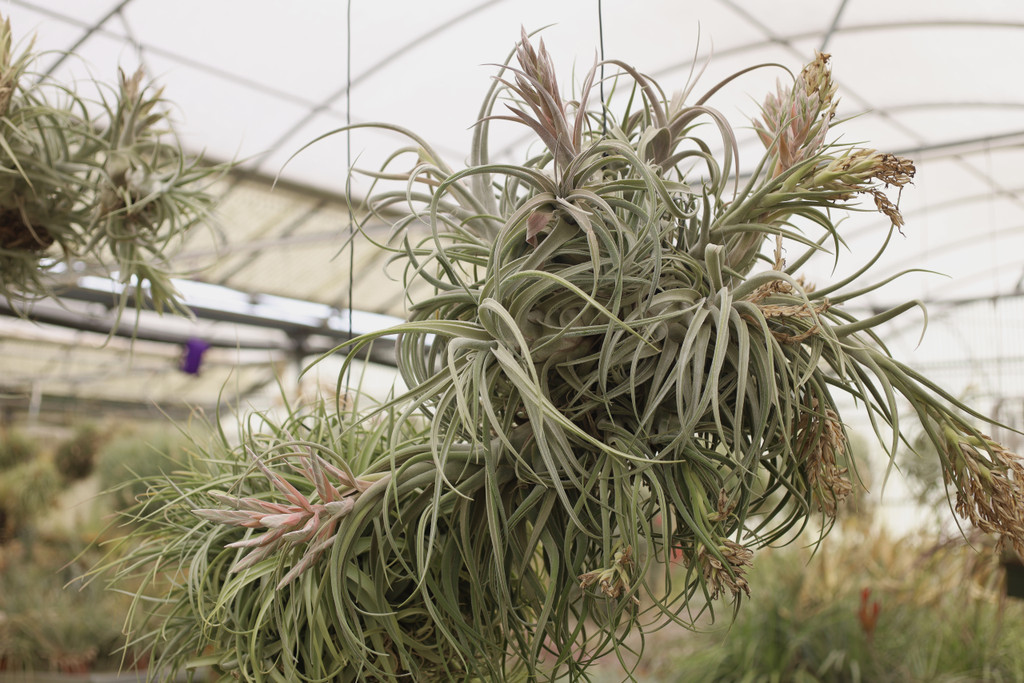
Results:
65 54
348 181
600 37
833 27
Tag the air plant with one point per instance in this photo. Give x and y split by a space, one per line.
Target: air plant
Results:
207 544
618 368
104 181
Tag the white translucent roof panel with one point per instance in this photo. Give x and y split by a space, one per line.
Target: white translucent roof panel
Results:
935 80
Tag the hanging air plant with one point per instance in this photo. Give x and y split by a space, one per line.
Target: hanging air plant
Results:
105 182
615 375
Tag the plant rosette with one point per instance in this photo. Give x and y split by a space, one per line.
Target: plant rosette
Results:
104 181
618 368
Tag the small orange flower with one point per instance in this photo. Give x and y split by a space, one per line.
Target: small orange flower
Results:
868 613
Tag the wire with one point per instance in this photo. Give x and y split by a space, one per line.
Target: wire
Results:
600 36
64 54
832 29
399 52
348 181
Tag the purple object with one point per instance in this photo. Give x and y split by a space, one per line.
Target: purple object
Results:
192 356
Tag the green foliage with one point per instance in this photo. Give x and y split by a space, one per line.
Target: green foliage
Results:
26 491
128 463
941 617
235 601
105 181
16 448
607 334
611 374
76 456
53 621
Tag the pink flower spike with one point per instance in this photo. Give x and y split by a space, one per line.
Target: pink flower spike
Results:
323 485
325 542
262 540
253 558
226 499
254 523
307 560
248 504
255 541
339 508
346 478
289 491
297 570
287 520
306 532
273 508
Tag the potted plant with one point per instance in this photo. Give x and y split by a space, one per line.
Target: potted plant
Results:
610 373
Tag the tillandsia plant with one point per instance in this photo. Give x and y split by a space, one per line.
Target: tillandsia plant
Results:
618 369
350 501
103 181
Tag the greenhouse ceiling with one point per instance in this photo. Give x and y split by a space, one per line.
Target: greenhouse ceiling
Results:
273 279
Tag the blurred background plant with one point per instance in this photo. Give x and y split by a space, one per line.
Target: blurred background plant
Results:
50 620
866 605
27 492
102 180
54 518
75 456
15 448
136 458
